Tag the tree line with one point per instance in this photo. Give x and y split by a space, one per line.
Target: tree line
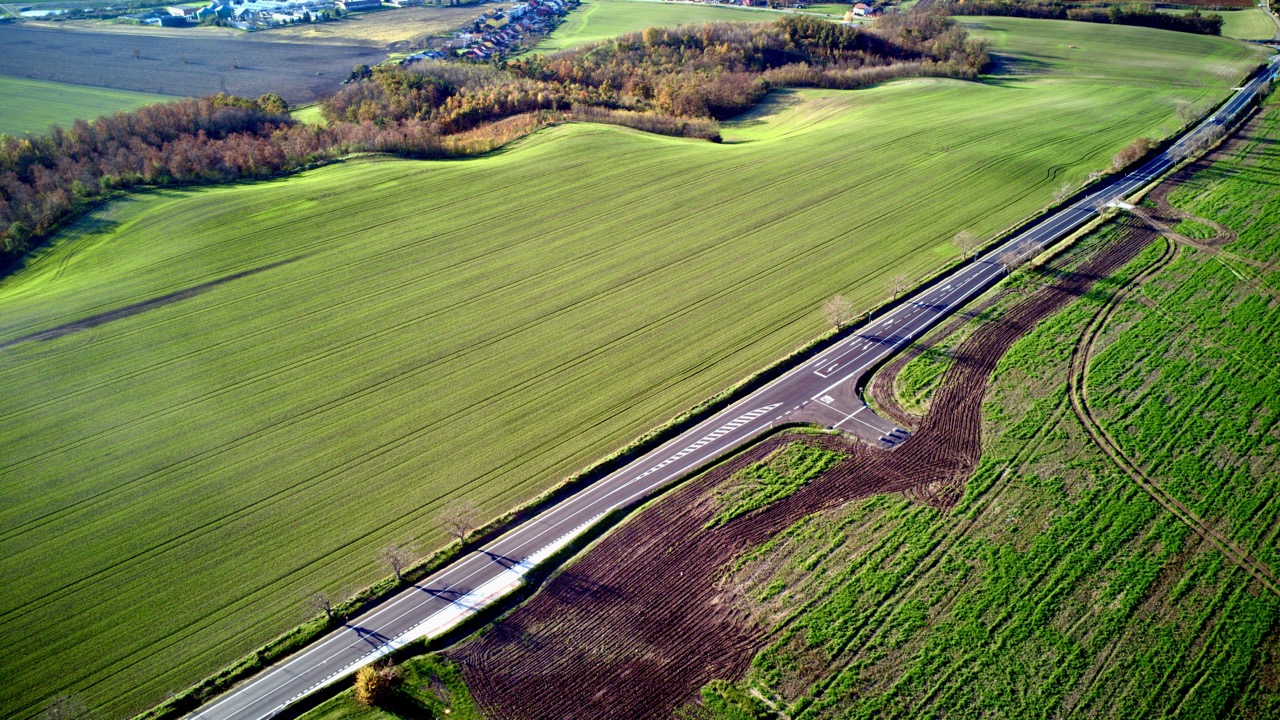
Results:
712 71
677 82
1140 15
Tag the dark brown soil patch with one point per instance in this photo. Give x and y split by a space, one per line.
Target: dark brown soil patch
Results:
184 67
881 386
638 625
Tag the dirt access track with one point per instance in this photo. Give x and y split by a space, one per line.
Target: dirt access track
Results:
639 624
183 67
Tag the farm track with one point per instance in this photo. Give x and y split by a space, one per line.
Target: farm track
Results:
1160 219
641 622
1078 392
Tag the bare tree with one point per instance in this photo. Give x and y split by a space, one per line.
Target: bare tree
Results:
1009 259
320 602
839 311
966 242
1183 150
459 518
898 284
1062 193
396 557
1187 112
64 706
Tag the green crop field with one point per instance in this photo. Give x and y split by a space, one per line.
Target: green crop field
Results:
299 372
1058 587
309 114
598 20
33 105
834 9
1213 348
1250 24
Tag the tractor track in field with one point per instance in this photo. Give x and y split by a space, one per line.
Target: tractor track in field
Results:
640 623
1077 389
103 318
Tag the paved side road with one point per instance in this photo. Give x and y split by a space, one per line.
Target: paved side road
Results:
825 389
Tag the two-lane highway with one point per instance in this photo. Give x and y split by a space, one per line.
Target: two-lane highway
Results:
824 389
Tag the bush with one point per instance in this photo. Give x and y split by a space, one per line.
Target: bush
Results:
375 684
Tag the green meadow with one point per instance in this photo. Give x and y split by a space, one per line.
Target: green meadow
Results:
33 105
298 372
308 114
1251 24
1248 24
598 20
837 10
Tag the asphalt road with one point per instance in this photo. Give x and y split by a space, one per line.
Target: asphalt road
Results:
825 389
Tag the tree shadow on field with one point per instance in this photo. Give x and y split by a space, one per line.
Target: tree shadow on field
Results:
403 704
96 224
140 307
571 588
1005 67
510 633
761 114
447 594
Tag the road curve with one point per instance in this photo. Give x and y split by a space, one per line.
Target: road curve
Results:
825 389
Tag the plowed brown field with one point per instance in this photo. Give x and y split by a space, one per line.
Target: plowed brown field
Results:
639 624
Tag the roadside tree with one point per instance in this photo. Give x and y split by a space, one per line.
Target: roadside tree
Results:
322 602
967 243
898 284
1187 112
1062 193
1132 153
397 558
1009 260
839 311
459 518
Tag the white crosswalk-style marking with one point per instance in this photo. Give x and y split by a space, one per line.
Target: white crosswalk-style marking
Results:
712 437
